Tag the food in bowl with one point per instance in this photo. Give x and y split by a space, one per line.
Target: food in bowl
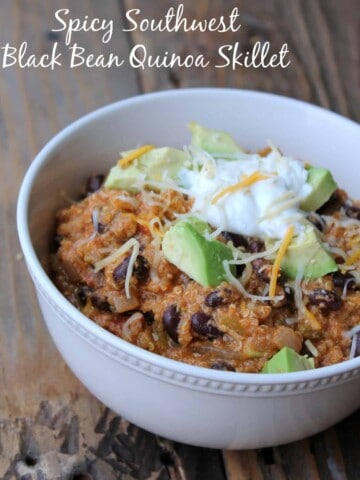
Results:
217 257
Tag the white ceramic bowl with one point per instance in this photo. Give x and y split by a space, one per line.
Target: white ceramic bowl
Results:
182 402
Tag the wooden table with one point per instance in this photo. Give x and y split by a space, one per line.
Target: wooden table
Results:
50 426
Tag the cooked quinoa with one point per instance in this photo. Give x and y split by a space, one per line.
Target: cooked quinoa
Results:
157 307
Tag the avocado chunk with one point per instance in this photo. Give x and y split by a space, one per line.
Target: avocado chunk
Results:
287 360
212 141
323 185
202 260
307 253
151 166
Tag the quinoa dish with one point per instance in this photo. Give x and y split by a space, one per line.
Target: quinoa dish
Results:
216 256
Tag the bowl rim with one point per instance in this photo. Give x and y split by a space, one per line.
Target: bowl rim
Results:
112 340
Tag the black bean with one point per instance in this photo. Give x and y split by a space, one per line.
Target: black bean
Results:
56 242
141 269
339 280
171 319
325 299
203 325
120 271
256 245
235 238
100 303
289 295
149 317
94 182
214 299
317 220
101 227
239 270
222 365
82 292
352 211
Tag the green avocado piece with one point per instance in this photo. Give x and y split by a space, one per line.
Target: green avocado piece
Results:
323 185
306 252
213 141
287 360
184 246
150 166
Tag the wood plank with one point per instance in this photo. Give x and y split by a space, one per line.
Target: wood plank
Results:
242 465
56 429
347 434
322 70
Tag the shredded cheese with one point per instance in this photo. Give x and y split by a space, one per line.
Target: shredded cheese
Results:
264 152
125 161
311 347
280 255
129 271
314 322
156 228
237 284
353 258
246 182
337 251
132 242
255 256
298 294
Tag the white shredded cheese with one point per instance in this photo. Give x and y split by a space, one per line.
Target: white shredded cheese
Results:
135 320
237 284
95 220
133 201
255 256
298 296
129 271
246 274
337 251
346 284
115 255
311 347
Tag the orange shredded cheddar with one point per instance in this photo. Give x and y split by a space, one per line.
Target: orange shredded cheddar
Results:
264 151
246 182
154 225
125 161
353 258
314 322
280 255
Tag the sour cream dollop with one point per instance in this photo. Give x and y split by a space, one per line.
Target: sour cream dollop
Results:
265 208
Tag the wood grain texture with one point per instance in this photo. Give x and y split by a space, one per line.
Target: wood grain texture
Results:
50 426
323 39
